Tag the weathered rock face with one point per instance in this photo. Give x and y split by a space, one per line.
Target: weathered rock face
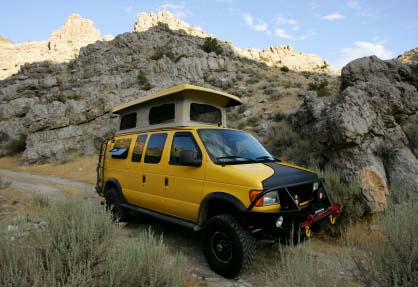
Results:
280 56
4 40
410 57
363 130
146 21
63 45
277 56
65 108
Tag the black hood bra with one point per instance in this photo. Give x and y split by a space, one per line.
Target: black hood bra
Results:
286 176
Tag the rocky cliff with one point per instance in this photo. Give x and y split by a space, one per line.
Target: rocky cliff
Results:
63 45
364 130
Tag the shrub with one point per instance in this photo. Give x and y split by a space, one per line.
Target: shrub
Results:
285 142
284 69
347 194
391 259
159 52
321 88
78 247
16 145
212 45
4 183
143 81
252 81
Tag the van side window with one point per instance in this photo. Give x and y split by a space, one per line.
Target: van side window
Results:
128 121
183 142
155 148
205 113
139 148
120 149
161 114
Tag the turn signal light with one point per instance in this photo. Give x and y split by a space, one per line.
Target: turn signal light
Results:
253 195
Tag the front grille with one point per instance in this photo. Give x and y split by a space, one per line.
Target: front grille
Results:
304 193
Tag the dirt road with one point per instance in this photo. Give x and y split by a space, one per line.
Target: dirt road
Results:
187 242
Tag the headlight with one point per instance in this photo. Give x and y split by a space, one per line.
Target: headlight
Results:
269 198
315 186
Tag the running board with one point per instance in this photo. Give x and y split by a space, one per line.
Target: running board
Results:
170 219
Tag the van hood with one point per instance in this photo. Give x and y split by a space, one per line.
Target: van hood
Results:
286 175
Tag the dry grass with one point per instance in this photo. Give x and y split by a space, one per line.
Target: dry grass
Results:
13 201
80 169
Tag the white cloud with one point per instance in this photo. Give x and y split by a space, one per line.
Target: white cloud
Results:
178 10
354 4
362 49
285 21
282 33
333 17
260 26
129 9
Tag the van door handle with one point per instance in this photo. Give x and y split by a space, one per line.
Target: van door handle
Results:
144 179
166 182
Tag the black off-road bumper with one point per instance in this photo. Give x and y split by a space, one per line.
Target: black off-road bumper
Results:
304 220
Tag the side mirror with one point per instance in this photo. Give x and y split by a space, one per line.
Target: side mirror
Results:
188 158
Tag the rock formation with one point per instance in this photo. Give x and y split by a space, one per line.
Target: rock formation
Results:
64 108
4 40
363 129
63 45
146 21
410 57
277 56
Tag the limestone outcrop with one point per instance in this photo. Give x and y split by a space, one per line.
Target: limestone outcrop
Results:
63 45
363 131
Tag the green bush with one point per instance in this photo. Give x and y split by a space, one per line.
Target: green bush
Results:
159 52
78 246
16 145
391 259
212 45
347 194
321 88
143 81
283 141
284 69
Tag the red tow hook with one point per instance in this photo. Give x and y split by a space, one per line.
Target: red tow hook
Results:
332 211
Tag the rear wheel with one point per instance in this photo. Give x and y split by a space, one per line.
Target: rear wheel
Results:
228 247
118 212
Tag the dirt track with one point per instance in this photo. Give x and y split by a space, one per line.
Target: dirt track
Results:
330 254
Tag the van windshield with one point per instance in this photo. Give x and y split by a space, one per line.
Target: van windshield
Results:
233 147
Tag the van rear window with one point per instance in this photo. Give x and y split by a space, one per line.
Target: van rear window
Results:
139 148
120 149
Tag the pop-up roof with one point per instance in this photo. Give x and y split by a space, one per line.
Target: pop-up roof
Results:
183 105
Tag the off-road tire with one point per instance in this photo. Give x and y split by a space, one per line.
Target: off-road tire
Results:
225 231
119 213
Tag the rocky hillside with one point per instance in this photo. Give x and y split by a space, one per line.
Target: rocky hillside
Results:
410 57
63 45
370 130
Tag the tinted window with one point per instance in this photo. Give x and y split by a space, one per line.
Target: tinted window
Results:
161 114
205 113
183 142
139 148
155 148
128 121
121 148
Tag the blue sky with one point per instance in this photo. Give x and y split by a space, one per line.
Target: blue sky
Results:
338 31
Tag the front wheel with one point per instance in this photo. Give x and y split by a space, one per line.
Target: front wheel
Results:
228 247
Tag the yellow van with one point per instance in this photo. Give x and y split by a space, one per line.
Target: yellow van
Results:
174 158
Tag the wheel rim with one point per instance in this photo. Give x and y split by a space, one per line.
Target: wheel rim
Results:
221 247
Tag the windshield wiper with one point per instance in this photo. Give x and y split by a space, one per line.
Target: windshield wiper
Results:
260 158
236 157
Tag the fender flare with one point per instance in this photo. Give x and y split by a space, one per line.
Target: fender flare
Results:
119 193
221 196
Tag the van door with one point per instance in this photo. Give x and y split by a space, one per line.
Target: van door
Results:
184 184
153 176
135 171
